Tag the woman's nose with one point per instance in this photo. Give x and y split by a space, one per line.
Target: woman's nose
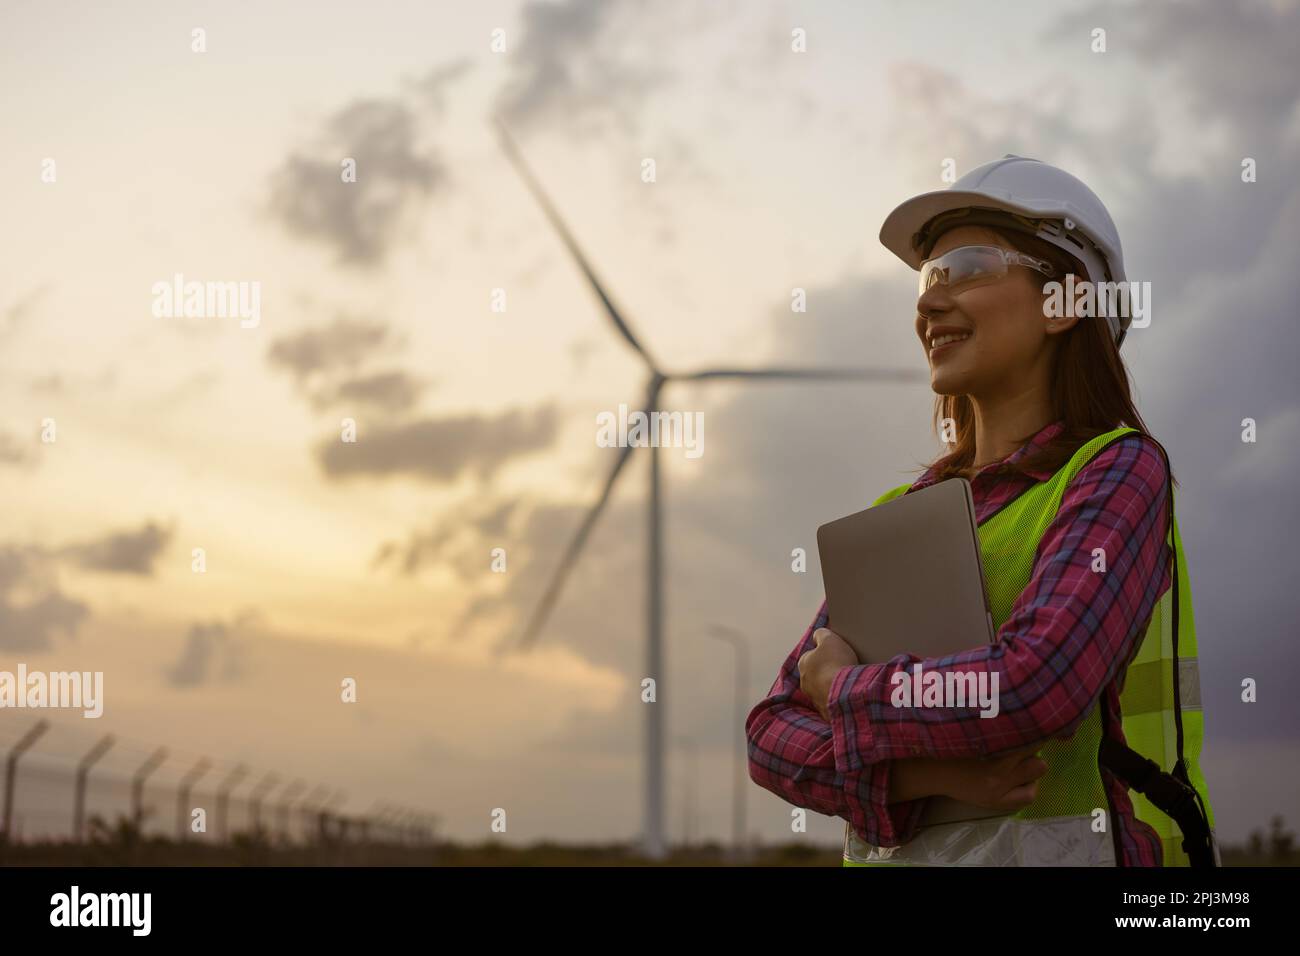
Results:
935 300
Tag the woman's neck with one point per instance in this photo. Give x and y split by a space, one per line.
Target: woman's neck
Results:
1001 426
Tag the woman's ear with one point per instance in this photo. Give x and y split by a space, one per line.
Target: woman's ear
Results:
1059 314
1060 323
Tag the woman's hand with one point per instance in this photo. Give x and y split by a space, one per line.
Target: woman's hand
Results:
818 667
1006 782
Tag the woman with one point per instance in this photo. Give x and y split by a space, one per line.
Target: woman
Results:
1074 504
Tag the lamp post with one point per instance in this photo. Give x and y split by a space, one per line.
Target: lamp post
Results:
739 644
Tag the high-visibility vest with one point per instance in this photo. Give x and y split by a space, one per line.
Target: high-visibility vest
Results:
1061 827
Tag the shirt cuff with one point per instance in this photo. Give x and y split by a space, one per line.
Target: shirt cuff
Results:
879 822
876 820
851 729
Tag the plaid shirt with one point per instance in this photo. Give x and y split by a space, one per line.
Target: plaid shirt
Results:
1066 645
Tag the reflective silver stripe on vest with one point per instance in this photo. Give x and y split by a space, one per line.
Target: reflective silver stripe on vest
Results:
1147 686
999 841
1189 683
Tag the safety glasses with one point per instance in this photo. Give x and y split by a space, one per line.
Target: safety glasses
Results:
968 266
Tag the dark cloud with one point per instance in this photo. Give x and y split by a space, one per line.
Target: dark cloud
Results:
12 450
17 314
393 391
211 654
344 343
441 449
431 87
458 544
1235 59
123 552
574 65
361 221
32 608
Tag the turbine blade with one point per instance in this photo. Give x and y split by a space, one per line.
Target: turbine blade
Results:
808 374
517 160
552 593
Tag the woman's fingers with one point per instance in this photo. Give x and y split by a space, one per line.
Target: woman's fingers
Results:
1028 767
1019 797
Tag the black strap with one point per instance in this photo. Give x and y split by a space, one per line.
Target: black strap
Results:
1167 793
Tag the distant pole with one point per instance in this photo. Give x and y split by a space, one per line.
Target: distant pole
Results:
286 803
654 728
384 815
311 804
11 773
389 817
79 797
183 808
739 643
264 786
688 792
137 785
331 818
223 798
330 812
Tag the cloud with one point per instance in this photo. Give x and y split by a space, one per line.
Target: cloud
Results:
211 654
344 343
392 391
431 87
123 552
324 361
32 608
575 65
12 450
395 175
1208 51
441 449
17 314
457 544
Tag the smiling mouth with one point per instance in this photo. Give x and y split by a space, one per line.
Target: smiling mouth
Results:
944 343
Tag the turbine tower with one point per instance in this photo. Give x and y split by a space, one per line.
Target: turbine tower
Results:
653 833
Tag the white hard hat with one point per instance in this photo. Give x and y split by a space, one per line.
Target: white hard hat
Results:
1050 203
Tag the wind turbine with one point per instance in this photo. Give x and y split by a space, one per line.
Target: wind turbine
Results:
653 835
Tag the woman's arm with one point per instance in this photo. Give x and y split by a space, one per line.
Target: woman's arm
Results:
1069 635
792 754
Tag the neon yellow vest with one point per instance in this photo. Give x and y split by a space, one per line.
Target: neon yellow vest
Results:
1059 827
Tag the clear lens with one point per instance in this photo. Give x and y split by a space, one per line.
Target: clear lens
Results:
964 267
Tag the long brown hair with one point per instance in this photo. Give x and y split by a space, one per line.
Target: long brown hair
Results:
1090 385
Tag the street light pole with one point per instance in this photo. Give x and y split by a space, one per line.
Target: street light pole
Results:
739 644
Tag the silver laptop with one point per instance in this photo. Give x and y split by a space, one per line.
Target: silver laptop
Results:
906 576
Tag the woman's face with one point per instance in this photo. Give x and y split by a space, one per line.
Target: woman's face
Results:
1007 337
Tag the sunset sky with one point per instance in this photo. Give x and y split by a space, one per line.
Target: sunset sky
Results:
476 429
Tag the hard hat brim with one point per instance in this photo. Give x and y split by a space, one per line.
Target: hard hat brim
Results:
902 226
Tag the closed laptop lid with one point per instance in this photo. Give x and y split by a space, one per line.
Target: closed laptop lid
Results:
906 575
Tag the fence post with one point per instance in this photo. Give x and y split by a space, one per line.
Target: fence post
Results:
137 786
183 798
330 807
265 786
223 798
79 800
290 793
11 773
